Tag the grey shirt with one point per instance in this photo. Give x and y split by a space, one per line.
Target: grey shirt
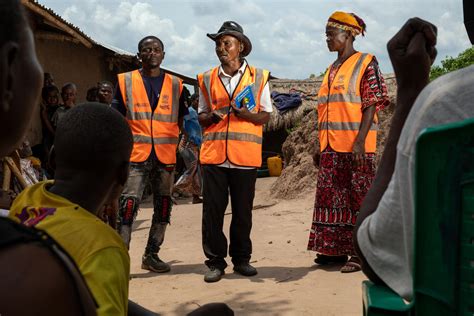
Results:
386 237
58 115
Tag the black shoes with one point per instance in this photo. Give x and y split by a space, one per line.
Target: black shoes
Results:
245 269
153 263
325 259
213 275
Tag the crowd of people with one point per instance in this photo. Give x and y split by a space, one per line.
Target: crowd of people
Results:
100 169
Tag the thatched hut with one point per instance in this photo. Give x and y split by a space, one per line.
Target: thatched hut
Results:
281 125
298 146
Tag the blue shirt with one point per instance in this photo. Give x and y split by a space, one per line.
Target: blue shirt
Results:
153 87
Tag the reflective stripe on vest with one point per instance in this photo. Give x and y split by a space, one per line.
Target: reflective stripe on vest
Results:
159 128
244 137
345 126
340 107
234 139
148 140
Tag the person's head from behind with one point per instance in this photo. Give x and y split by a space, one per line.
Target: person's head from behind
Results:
342 29
94 142
468 8
105 92
68 94
151 52
50 95
20 71
91 95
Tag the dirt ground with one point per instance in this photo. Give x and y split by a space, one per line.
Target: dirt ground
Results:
288 282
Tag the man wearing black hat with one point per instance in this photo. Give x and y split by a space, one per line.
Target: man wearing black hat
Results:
232 148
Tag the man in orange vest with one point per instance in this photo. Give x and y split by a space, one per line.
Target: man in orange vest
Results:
232 149
153 104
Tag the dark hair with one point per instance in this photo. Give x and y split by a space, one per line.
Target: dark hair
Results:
68 85
92 137
47 75
194 97
91 95
140 44
104 82
12 16
46 90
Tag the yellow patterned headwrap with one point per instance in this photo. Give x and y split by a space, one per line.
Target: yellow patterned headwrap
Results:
348 22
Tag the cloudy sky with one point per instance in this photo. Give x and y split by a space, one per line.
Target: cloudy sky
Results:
287 36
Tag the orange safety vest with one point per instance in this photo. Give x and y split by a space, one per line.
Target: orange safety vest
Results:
340 107
157 128
234 139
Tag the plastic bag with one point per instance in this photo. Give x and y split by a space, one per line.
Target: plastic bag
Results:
190 181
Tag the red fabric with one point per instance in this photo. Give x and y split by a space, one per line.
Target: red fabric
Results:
373 89
339 194
341 187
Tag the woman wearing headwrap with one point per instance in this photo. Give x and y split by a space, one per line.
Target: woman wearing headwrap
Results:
353 90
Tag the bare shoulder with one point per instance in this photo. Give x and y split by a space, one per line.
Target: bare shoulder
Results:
31 273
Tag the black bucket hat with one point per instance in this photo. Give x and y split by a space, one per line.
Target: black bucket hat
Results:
234 29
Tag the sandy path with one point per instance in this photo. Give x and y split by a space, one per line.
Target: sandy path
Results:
288 283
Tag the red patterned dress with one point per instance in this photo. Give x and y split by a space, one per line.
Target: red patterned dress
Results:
341 187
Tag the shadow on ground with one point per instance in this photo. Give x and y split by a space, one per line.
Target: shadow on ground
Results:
277 274
242 304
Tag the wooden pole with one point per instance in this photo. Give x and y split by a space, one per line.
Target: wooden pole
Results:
7 176
16 172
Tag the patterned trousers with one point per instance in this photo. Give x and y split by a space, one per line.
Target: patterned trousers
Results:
161 179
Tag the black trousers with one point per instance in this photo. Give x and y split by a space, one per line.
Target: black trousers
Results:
218 182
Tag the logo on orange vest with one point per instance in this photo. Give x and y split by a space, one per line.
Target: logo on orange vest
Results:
339 84
140 105
165 99
219 101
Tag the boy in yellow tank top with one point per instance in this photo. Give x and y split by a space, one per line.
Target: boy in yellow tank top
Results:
93 145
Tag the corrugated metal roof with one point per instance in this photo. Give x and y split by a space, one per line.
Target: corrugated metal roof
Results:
77 33
68 27
116 49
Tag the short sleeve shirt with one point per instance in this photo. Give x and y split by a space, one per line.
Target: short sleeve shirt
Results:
386 237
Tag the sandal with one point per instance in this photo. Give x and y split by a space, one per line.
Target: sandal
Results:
353 265
325 259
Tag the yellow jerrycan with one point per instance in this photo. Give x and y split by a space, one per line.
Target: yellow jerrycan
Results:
275 165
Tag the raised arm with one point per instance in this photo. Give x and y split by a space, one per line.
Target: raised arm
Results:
412 51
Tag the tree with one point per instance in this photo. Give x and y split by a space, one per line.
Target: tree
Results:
449 64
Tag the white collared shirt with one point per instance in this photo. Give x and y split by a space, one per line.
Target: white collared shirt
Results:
230 83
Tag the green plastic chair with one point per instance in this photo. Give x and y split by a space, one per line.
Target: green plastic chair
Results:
444 229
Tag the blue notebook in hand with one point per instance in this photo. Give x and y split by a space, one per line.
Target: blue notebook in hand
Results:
245 98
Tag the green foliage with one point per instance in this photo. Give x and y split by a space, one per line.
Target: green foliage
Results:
321 74
449 64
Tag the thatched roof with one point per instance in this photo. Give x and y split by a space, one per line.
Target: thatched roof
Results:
309 90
